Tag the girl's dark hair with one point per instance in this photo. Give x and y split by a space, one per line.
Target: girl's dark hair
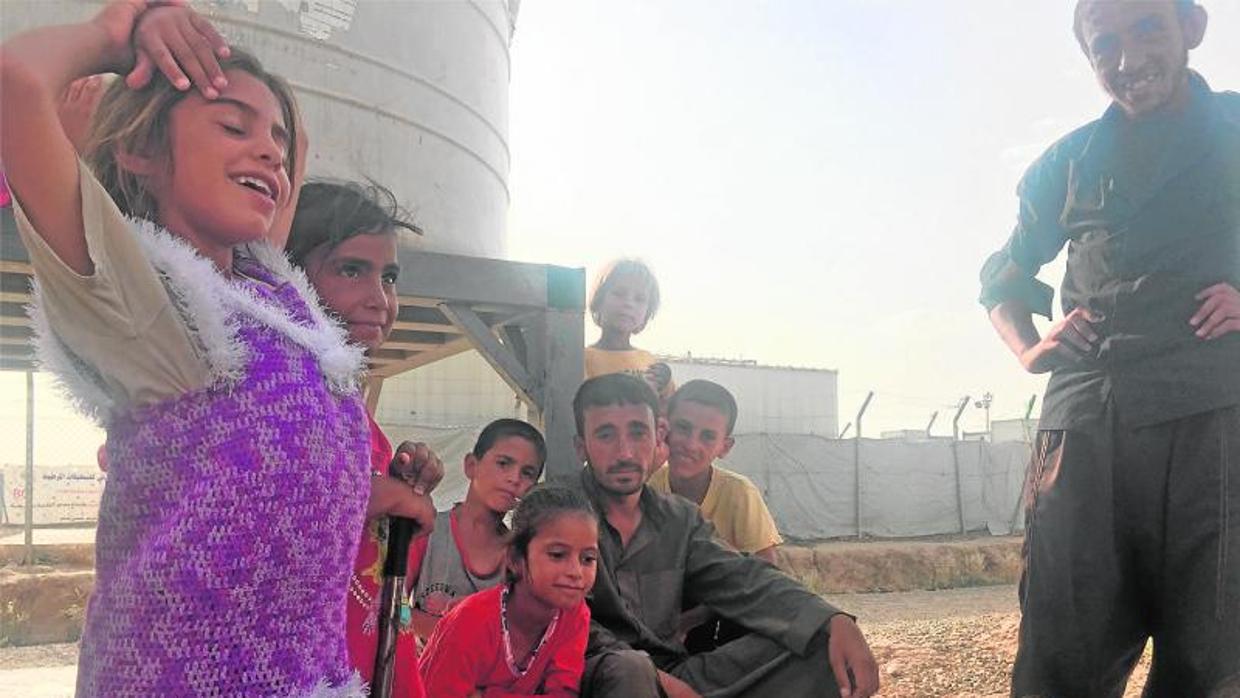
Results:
607 278
503 428
332 211
539 506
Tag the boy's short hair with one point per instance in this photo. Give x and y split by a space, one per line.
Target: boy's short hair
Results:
502 429
1184 6
607 278
331 211
612 389
708 393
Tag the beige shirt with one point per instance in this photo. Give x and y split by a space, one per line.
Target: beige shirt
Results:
734 505
119 320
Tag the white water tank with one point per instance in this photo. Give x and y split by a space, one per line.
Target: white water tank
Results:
410 93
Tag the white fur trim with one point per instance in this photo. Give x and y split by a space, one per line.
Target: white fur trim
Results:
342 363
76 381
198 291
353 688
208 303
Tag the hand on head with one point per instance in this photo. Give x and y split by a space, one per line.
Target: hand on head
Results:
145 36
172 39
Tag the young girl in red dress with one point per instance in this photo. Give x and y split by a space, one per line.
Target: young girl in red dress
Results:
526 637
344 237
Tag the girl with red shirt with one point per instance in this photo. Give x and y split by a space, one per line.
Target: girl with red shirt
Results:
344 237
526 637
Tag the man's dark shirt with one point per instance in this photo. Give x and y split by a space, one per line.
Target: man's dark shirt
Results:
1150 210
674 557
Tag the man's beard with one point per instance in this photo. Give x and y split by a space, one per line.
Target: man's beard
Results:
624 467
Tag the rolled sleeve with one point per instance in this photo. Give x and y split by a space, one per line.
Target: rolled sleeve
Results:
1011 273
1003 280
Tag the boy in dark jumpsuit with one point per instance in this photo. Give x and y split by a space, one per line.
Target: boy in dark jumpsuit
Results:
1133 500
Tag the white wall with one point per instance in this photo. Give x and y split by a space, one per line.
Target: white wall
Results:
1022 430
772 400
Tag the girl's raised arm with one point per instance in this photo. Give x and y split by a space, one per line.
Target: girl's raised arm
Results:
39 161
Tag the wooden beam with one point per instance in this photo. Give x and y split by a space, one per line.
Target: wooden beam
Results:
499 356
16 321
419 302
412 346
559 355
452 348
425 327
385 360
374 386
9 266
14 297
514 339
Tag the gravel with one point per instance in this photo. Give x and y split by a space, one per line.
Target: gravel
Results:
929 644
954 642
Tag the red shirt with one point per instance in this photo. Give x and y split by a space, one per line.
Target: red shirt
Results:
466 653
363 601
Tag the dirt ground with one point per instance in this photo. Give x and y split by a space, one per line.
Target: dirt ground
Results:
951 642
929 644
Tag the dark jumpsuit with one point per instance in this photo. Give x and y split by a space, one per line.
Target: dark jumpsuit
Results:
1133 498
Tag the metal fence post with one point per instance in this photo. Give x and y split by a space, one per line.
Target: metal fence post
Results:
857 462
29 524
964 402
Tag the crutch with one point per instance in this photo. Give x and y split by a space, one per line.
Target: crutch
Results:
395 566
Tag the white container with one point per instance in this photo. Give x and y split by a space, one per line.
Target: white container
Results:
410 93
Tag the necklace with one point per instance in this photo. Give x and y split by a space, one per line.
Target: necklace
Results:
367 601
357 589
508 655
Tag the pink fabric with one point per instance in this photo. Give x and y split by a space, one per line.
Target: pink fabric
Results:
362 624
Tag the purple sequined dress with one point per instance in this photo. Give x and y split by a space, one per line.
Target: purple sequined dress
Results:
231 515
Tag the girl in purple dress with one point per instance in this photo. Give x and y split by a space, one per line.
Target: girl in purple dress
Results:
237 440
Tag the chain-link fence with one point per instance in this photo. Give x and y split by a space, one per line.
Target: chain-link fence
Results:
49 463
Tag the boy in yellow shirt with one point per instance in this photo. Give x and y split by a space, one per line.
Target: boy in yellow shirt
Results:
701 416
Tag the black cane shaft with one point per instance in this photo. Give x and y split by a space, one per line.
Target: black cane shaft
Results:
395 566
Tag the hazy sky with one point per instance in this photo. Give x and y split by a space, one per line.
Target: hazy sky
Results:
815 183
